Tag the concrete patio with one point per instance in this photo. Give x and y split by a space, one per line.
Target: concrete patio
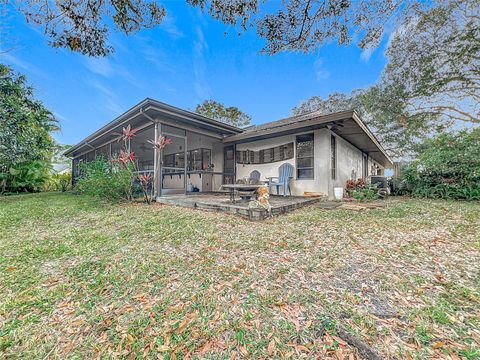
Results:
218 201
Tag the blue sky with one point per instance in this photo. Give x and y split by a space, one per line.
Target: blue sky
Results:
186 60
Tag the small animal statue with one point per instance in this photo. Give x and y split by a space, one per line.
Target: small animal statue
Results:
262 199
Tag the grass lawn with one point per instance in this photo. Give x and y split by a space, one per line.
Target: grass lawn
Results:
81 278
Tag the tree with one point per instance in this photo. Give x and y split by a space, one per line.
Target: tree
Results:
435 56
448 167
229 115
387 117
84 26
25 129
430 83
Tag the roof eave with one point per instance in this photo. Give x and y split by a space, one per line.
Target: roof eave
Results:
137 110
294 125
374 139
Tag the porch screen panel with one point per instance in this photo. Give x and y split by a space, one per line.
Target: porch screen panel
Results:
75 169
116 147
173 130
90 156
103 151
229 164
143 150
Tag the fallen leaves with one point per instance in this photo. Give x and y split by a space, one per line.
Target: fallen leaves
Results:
271 347
187 320
177 283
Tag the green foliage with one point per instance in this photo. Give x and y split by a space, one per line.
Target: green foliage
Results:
106 179
58 182
430 82
361 191
26 145
384 111
434 57
448 168
368 193
229 115
85 26
27 176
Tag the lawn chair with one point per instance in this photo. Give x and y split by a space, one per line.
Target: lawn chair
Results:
285 175
255 174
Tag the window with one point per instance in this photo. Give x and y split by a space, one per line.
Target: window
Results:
265 156
199 159
333 156
305 156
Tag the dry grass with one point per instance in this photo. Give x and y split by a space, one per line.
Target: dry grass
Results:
81 278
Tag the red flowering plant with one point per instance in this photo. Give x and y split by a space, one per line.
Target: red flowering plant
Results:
127 159
124 162
160 143
124 158
145 180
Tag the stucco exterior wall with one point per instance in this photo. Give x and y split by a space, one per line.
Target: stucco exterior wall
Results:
349 163
298 186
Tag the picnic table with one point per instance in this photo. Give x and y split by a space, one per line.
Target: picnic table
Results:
246 191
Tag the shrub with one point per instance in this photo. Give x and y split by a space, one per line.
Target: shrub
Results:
106 179
368 193
58 182
26 176
360 190
448 168
64 181
352 184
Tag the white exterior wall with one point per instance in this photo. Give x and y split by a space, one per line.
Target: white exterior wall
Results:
349 164
320 181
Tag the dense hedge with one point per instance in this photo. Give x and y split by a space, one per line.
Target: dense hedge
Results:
448 167
106 179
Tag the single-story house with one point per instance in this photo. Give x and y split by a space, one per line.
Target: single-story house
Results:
325 150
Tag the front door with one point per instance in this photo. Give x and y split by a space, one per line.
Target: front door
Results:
174 165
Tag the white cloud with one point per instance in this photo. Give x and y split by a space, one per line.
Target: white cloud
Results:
109 99
320 72
156 57
367 54
15 61
101 66
110 69
168 24
201 86
60 117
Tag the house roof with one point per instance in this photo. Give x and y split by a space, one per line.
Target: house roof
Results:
347 124
150 109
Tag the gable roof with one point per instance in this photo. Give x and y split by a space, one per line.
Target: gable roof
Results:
347 124
146 110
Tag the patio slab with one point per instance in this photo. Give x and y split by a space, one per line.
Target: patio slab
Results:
221 202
